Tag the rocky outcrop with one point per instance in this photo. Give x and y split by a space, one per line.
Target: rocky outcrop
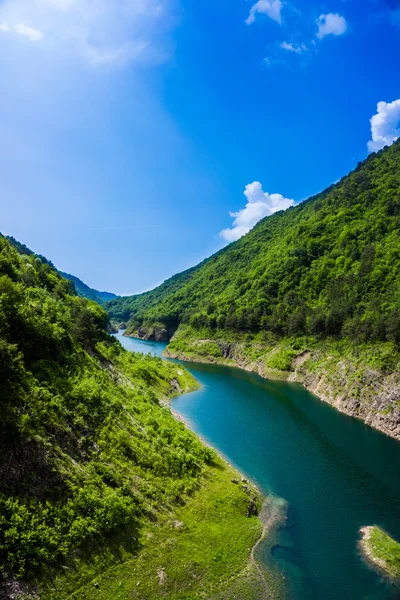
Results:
158 334
252 510
153 333
227 349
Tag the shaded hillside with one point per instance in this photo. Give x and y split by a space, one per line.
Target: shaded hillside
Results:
327 267
88 454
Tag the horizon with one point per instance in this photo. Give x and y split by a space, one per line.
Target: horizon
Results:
139 140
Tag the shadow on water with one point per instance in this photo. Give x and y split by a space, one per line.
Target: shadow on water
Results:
336 473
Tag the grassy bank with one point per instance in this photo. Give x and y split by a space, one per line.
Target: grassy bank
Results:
360 380
381 551
196 550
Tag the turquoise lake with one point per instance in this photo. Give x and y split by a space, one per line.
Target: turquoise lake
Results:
335 473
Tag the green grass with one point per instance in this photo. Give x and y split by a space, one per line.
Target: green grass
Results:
385 548
199 550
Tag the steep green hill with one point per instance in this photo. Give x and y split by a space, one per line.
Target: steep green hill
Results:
321 279
329 266
94 469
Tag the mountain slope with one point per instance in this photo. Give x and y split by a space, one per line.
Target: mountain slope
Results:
81 288
326 266
322 273
123 309
91 459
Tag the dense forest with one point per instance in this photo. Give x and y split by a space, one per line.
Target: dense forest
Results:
326 267
86 448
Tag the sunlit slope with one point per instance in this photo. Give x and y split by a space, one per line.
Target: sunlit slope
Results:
327 267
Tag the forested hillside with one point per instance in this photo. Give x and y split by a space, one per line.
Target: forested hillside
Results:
81 288
327 267
89 456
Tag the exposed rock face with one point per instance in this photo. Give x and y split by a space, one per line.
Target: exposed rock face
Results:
156 333
175 386
353 388
252 510
375 399
227 349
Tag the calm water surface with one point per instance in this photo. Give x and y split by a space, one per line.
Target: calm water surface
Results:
336 473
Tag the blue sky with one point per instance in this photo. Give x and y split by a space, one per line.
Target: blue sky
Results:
141 136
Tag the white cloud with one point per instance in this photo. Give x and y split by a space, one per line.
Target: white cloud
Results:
34 35
297 48
331 24
271 8
97 31
260 204
385 125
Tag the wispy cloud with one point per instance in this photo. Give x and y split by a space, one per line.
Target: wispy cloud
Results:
385 125
296 48
271 8
96 31
331 24
33 35
259 204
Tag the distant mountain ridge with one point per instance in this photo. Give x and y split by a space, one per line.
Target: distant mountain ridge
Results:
87 292
81 288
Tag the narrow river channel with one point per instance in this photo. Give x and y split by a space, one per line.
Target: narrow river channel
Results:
336 474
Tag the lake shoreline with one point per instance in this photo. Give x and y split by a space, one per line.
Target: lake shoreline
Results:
269 511
319 383
297 448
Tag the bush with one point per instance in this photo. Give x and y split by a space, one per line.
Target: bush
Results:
281 360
